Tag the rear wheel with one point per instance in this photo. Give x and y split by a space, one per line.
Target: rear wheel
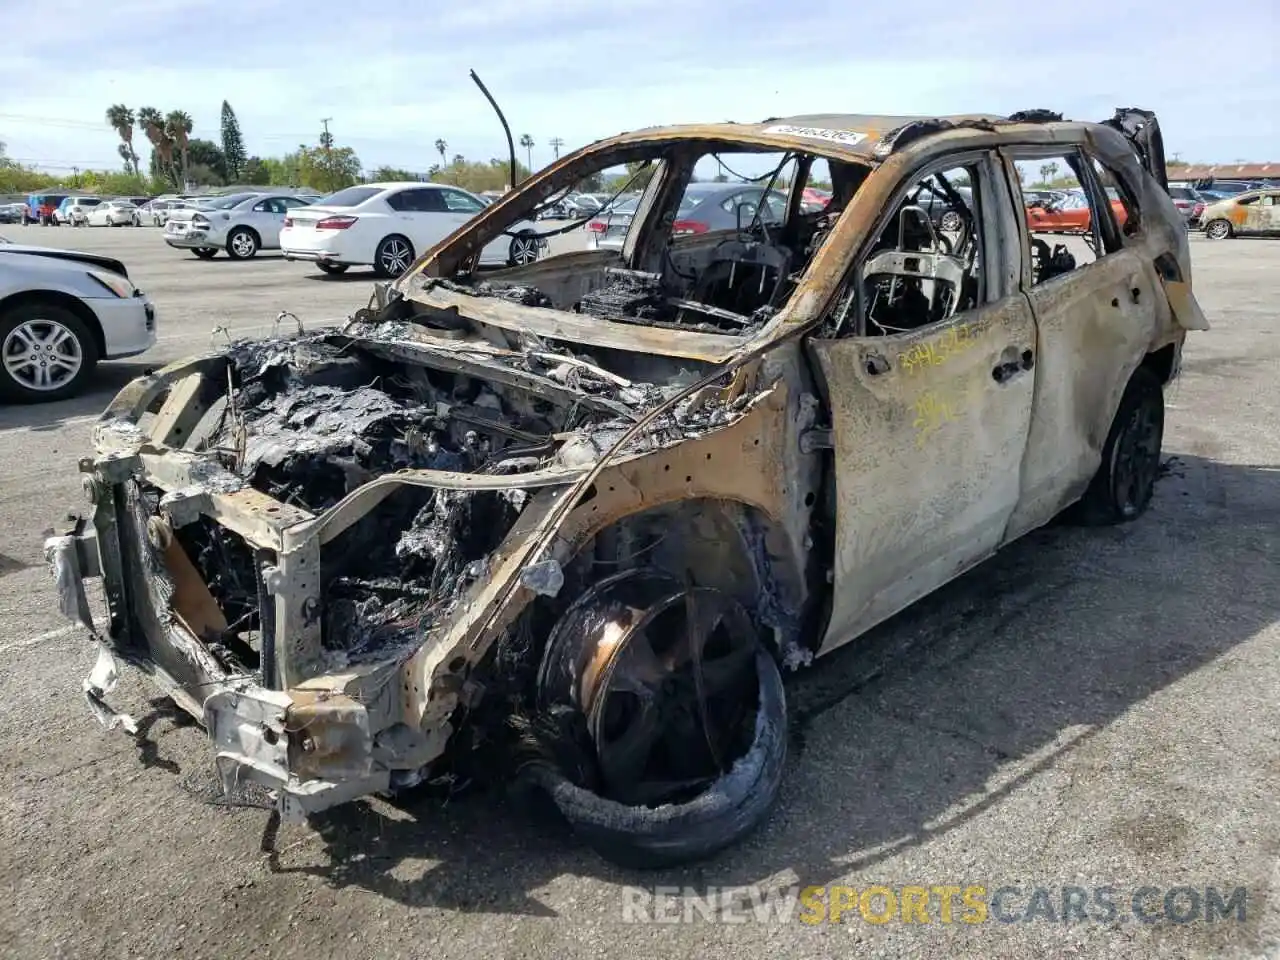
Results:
46 353
205 253
683 720
333 269
1218 229
393 256
524 249
1122 488
242 243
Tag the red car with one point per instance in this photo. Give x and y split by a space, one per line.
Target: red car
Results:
811 198
1070 215
42 206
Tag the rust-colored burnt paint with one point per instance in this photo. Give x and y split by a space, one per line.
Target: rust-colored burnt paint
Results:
927 456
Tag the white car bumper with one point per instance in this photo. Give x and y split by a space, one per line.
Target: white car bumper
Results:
128 324
324 246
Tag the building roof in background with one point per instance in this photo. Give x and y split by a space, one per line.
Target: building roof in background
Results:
1225 171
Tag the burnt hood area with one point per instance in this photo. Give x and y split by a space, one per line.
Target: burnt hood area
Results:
314 417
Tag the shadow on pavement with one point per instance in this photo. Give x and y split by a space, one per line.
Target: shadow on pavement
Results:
898 738
108 378
355 274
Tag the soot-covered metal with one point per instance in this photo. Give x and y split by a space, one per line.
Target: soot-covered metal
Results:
313 418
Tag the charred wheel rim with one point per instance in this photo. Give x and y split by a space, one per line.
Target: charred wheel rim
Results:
42 355
524 249
1218 230
242 243
951 221
665 676
394 256
1136 459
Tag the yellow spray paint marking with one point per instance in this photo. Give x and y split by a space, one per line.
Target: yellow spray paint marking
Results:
933 411
934 353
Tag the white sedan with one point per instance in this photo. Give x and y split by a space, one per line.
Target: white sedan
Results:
113 213
242 224
387 225
61 311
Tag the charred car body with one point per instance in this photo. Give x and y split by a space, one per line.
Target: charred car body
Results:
590 507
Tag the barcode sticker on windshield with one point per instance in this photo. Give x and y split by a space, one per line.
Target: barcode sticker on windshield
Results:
847 137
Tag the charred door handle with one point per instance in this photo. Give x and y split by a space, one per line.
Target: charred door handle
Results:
1003 372
1006 370
875 364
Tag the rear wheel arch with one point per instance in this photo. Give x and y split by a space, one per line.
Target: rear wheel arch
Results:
1162 362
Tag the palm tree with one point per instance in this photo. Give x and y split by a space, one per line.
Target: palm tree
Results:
441 147
178 126
121 120
152 123
526 141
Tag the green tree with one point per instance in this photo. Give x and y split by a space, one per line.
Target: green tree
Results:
391 174
255 171
206 164
161 145
641 173
121 120
323 169
232 143
526 141
15 178
178 124
442 148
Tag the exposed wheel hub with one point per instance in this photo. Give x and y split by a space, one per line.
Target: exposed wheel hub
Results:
665 676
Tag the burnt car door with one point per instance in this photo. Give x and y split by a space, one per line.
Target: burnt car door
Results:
927 364
1097 310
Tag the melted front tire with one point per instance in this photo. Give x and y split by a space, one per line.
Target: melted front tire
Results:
681 720
654 837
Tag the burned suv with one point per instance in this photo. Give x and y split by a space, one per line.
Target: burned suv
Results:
580 515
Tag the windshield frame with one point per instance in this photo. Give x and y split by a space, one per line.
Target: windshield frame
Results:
447 257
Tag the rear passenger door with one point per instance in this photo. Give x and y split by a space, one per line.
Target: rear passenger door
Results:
1270 203
462 208
421 216
1098 304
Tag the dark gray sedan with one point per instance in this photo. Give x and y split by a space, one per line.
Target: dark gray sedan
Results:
706 207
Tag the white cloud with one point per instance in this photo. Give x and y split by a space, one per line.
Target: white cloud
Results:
578 70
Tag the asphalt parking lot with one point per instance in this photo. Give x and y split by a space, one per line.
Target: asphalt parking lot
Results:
1090 708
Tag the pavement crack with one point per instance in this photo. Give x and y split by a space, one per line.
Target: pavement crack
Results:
955 734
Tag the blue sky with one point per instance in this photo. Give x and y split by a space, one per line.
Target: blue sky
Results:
579 71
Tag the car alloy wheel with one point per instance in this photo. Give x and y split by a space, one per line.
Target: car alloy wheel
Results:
524 249
951 222
394 256
242 244
42 355
1218 230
